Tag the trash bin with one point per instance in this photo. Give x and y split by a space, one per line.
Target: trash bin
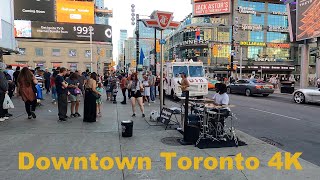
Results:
287 87
127 127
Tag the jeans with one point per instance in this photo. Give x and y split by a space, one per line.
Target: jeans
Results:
152 93
62 105
30 106
54 93
2 111
124 95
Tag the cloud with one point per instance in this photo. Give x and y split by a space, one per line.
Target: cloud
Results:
122 14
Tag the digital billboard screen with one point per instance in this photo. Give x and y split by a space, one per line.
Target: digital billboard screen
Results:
63 31
211 7
308 23
34 10
75 11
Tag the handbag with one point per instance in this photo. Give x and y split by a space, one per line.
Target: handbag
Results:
77 91
7 103
97 96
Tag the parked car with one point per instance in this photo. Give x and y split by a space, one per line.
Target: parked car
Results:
306 96
212 83
250 87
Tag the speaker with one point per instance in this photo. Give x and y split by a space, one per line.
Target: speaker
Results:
192 133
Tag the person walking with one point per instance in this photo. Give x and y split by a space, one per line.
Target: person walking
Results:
135 87
62 91
3 91
318 82
54 94
184 84
152 82
146 86
90 107
123 86
15 77
46 77
74 94
26 83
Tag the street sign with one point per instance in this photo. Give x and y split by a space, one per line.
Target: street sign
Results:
162 41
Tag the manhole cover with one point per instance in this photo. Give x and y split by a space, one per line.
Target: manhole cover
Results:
171 141
270 141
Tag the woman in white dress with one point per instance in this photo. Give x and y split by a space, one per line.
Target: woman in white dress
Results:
146 86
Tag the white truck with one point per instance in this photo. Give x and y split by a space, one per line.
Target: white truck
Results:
195 75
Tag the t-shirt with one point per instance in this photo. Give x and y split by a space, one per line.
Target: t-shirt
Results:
221 99
72 82
15 76
59 81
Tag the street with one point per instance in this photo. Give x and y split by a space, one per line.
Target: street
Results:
292 127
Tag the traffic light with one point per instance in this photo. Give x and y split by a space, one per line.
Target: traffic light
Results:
228 66
158 46
235 67
229 59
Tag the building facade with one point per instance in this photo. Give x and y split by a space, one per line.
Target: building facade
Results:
54 53
261 39
102 13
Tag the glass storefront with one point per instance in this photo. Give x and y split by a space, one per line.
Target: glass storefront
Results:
278 53
277 37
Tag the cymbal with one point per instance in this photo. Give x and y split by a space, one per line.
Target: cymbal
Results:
214 106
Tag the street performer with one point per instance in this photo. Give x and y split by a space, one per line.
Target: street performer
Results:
221 98
184 84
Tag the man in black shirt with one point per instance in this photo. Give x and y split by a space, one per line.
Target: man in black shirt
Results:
62 91
47 76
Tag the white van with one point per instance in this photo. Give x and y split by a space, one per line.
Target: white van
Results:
195 75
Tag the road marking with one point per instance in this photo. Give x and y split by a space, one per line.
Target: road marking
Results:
276 114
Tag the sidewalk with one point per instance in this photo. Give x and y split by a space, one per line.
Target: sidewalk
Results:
47 137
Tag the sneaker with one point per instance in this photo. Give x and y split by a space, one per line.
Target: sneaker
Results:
153 101
5 118
2 119
78 115
123 103
33 115
29 117
62 119
73 115
133 115
8 115
149 104
143 115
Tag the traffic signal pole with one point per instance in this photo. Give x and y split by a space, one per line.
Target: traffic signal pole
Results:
232 38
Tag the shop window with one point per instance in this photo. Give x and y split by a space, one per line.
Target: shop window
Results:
22 51
56 52
254 52
39 51
278 53
72 53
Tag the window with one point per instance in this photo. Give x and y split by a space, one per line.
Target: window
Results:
180 69
256 36
276 20
276 7
87 53
257 6
72 53
277 37
39 51
56 52
278 54
196 71
256 19
22 51
254 52
224 51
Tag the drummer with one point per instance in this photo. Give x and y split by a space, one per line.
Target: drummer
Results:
221 98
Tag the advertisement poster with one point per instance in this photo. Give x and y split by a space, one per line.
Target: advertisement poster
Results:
75 11
308 24
34 10
212 7
63 31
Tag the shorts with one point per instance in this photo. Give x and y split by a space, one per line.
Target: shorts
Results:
136 94
74 98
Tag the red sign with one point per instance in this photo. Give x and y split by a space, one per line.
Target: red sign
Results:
275 45
164 19
161 20
212 7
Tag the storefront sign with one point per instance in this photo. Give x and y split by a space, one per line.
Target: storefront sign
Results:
266 59
279 68
278 29
279 13
194 42
275 45
246 10
212 7
251 27
247 43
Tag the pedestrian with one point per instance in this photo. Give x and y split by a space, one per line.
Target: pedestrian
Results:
47 76
26 83
10 71
15 76
99 100
74 94
91 93
152 87
54 94
135 87
3 92
165 80
146 87
184 84
108 87
62 91
123 86
318 82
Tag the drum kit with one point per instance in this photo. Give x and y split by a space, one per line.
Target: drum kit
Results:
213 121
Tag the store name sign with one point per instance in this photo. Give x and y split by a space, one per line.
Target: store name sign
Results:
194 42
246 10
212 7
251 27
279 13
278 29
275 45
248 43
266 59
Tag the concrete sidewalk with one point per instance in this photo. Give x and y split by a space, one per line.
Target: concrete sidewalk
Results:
45 136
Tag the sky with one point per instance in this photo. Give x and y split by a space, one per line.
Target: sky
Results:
122 14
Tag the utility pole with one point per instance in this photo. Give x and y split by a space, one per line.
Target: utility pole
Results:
137 41
155 51
232 38
124 60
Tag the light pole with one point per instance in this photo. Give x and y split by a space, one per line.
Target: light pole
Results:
91 55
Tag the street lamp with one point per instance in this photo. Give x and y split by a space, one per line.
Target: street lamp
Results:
91 55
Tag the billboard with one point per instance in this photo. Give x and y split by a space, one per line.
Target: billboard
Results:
212 7
34 10
63 31
308 24
75 11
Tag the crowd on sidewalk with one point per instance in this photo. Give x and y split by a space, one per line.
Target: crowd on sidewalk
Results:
68 87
